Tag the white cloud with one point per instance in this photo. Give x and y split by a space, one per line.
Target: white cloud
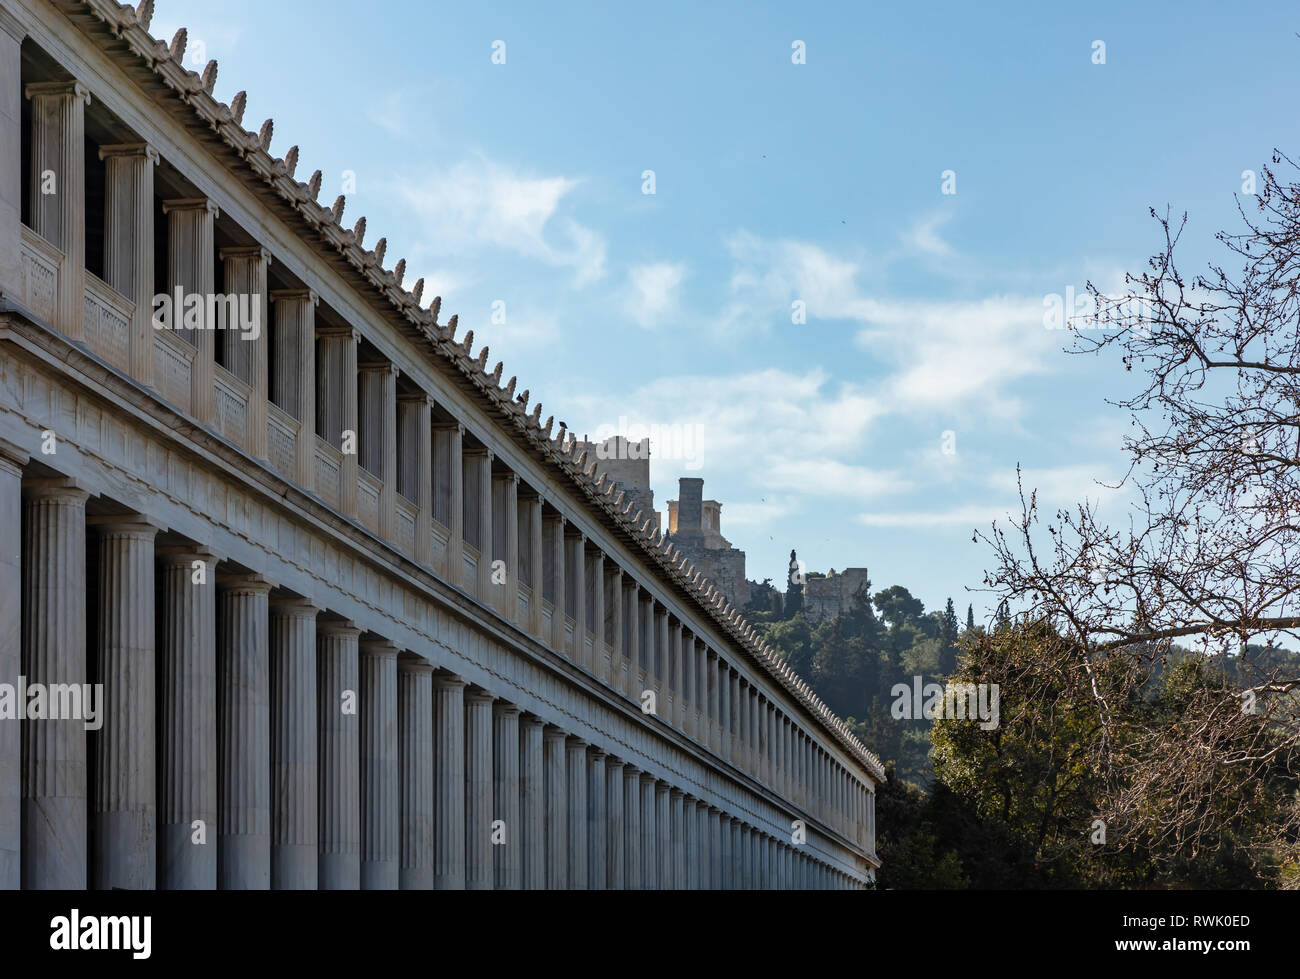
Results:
653 292
923 236
473 207
967 515
940 356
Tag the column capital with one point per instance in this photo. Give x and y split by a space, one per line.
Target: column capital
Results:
191 204
478 695
506 475
297 608
449 681
245 251
413 664
245 582
504 708
186 554
648 777
144 150
338 627
441 426
136 524
675 792
301 295
379 646
576 743
416 397
70 87
378 367
12 455
55 488
613 761
597 753
553 733
328 331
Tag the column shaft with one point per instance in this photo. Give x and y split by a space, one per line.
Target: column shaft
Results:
508 855
532 797
576 806
294 800
338 681
244 741
129 242
125 798
415 761
479 816
449 783
12 461
380 782
557 811
187 721
54 651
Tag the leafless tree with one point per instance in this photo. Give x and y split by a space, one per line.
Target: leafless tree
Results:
1209 556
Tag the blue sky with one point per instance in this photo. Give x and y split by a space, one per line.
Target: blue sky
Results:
821 183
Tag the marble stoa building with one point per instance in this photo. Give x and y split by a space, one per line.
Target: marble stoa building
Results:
360 617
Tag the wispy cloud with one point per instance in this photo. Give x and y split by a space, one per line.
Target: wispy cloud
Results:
652 292
476 207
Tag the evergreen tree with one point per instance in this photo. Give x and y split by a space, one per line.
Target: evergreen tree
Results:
948 640
970 616
793 588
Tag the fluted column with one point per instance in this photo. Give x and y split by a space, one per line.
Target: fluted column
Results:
688 694
737 721
338 682
649 655
727 738
415 468
448 495
380 787
597 821
632 845
415 764
632 639
57 201
187 719
129 242
615 873
478 515
742 724
532 799
717 860
746 858
557 810
700 661
576 570
125 798
294 801
703 847
595 565
190 270
507 855
664 666
677 835
649 835
11 271
449 782
724 836
505 541
377 435
553 532
12 460
532 510
737 855
664 837
678 719
614 599
336 406
245 348
292 384
54 651
575 766
244 734
691 842
479 870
